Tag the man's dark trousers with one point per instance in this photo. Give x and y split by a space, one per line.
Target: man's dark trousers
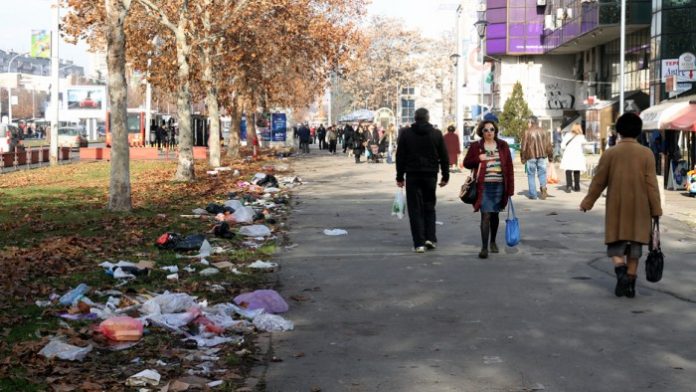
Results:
420 203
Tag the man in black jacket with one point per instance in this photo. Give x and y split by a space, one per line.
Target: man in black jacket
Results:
420 154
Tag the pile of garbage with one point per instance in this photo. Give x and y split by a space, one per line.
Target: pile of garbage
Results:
120 318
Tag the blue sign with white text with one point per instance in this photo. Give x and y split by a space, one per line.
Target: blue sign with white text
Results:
279 127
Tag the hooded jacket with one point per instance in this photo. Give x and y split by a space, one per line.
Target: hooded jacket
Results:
421 149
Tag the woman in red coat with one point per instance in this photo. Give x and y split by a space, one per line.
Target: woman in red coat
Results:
453 147
490 158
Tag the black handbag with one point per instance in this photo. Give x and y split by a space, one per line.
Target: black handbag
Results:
469 192
655 262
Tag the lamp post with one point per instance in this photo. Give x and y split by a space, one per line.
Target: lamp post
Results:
481 25
454 57
622 63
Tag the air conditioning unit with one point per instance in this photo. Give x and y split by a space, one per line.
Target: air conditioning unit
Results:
550 22
541 3
569 13
560 14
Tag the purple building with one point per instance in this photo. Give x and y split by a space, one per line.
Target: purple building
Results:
515 27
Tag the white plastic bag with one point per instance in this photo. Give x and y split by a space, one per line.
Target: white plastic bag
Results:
255 231
168 303
272 323
243 215
335 232
61 350
399 205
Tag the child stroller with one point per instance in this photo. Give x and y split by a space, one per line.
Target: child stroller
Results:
691 182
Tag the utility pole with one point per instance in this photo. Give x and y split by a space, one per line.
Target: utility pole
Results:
622 50
458 100
55 66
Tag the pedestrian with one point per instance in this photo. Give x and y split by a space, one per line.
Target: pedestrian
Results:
535 150
321 136
359 142
557 140
573 161
627 171
491 160
332 137
304 135
348 133
453 147
421 153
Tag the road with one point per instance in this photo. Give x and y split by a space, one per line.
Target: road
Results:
371 315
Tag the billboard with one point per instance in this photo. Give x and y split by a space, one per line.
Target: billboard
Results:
279 127
86 98
40 44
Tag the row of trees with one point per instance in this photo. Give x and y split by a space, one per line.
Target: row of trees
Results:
236 55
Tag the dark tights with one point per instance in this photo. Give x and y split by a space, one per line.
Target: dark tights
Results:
489 227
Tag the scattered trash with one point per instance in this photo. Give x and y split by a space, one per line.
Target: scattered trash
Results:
72 296
268 300
122 329
491 360
174 277
209 272
243 215
168 303
223 265
255 231
61 350
171 268
439 223
144 378
263 265
335 232
272 323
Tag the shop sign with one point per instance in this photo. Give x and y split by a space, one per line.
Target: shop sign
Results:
671 67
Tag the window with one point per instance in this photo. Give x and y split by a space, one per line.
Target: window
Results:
408 91
408 111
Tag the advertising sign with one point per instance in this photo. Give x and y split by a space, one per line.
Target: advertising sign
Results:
279 127
687 63
671 67
40 44
243 128
86 97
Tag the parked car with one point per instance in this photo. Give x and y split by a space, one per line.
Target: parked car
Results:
71 137
10 138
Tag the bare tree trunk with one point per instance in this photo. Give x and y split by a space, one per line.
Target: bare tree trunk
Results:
234 142
211 99
119 185
185 169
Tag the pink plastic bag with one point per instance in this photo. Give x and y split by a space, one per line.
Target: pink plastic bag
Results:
122 329
268 300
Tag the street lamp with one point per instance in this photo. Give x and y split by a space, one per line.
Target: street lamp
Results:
481 25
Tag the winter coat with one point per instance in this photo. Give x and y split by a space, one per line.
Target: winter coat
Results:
453 147
331 135
633 196
573 155
303 134
472 161
535 144
421 150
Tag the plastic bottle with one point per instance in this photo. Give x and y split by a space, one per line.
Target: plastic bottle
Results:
74 295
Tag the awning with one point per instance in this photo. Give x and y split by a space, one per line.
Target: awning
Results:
685 120
656 117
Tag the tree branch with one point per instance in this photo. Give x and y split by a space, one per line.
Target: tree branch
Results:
163 17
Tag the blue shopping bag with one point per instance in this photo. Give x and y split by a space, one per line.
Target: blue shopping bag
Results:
512 226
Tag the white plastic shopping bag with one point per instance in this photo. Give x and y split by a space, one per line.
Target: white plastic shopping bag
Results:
399 205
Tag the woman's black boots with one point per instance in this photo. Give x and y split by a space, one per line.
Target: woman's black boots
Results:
576 176
485 231
622 281
569 181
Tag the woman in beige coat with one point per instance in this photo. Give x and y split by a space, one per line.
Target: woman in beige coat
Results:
633 198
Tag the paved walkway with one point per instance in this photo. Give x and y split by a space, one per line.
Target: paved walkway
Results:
373 316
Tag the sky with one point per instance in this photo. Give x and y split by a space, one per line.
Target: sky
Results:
17 21
432 18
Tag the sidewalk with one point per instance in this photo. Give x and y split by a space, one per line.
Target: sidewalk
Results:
371 315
